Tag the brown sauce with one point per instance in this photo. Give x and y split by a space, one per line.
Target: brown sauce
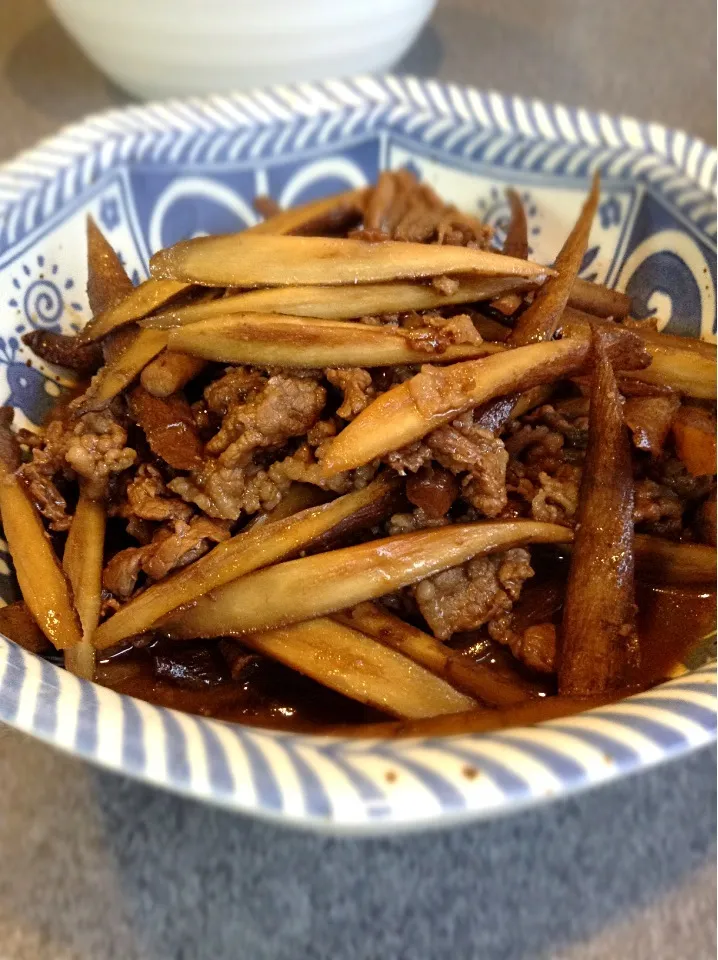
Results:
267 695
673 625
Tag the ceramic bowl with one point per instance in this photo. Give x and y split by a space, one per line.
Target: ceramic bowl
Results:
163 48
151 175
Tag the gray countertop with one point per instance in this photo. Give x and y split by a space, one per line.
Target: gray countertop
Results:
96 866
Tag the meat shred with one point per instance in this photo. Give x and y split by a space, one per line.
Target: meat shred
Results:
535 646
418 519
148 498
357 390
284 407
475 593
172 546
464 448
93 447
400 208
227 492
657 508
556 499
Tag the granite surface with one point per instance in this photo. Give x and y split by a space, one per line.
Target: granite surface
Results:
96 867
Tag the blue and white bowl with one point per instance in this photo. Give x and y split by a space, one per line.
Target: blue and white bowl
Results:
153 174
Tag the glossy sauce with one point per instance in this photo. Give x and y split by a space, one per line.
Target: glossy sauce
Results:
673 624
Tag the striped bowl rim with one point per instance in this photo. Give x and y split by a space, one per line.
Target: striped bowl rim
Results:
334 783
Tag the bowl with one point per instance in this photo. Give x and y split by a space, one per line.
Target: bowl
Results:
161 48
152 174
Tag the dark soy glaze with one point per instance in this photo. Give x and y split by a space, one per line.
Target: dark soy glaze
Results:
672 622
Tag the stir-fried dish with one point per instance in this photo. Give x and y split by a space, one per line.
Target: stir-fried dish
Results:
357 469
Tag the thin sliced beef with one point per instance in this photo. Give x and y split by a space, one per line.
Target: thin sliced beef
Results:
468 596
148 498
285 407
464 448
171 547
228 492
357 390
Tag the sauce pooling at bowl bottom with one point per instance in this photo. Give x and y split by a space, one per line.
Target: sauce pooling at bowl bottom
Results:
673 624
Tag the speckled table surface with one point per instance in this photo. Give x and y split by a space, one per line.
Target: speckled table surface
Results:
95 866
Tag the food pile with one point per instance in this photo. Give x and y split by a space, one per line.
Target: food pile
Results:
356 463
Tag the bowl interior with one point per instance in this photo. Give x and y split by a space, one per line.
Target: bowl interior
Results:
153 175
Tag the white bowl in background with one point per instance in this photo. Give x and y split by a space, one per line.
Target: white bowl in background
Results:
162 48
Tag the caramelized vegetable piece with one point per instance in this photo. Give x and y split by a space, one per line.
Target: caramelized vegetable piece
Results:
44 587
251 260
170 372
107 280
64 351
18 625
342 303
666 561
679 363
478 680
663 561
599 612
266 206
498 414
482 720
276 340
325 582
694 431
245 552
82 563
649 420
169 427
516 243
682 363
121 371
356 665
137 304
599 300
329 214
491 329
433 489
412 409
541 319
